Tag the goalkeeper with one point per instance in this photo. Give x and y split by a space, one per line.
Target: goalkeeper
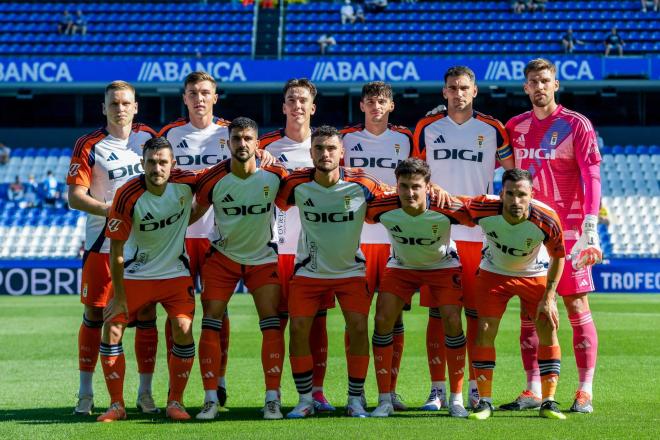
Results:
559 148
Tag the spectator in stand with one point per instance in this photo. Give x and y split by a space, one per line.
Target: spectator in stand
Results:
324 41
347 12
613 39
359 14
375 5
80 24
655 3
50 190
408 1
569 40
5 152
518 6
31 189
65 26
267 4
16 190
536 5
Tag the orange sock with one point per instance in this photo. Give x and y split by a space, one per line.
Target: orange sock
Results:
550 366
272 351
318 339
357 372
302 367
435 347
180 365
484 366
224 345
209 352
383 349
114 369
397 354
455 346
471 336
89 341
146 346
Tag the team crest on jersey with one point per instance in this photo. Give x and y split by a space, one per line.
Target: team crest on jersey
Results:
347 202
73 169
182 200
480 140
529 242
84 290
223 143
266 191
113 224
434 229
553 139
397 148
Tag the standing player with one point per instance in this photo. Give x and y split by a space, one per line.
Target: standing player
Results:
378 147
242 194
148 262
560 149
514 264
461 146
291 146
103 161
332 201
422 255
200 141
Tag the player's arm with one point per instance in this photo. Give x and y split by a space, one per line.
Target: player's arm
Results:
80 200
265 157
548 304
117 305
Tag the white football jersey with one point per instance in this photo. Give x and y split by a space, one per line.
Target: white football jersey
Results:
196 149
154 227
331 219
521 250
379 156
104 163
462 157
292 155
243 210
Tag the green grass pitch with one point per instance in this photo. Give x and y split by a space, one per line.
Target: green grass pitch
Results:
38 381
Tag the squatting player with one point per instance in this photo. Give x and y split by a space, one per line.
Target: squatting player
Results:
148 262
291 146
242 194
332 201
102 161
422 254
377 147
523 256
560 149
461 146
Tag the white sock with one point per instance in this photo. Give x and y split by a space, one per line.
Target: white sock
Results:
210 396
440 386
588 387
535 387
307 397
86 381
272 395
456 399
145 383
317 389
473 386
221 382
545 399
384 397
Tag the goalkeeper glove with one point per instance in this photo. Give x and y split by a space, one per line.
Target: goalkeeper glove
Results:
586 251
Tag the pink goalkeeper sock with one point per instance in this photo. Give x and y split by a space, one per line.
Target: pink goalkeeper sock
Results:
585 344
529 342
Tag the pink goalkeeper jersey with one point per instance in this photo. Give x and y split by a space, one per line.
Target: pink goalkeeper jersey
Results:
555 150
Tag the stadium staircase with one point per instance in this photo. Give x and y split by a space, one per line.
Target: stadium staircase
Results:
267 31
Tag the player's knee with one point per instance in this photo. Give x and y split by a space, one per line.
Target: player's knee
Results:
182 330
382 323
487 331
94 313
147 313
453 323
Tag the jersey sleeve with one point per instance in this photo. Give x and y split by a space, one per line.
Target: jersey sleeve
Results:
585 143
286 194
381 205
371 186
269 138
278 169
206 181
184 177
504 150
548 221
83 159
165 130
457 211
120 219
480 207
138 126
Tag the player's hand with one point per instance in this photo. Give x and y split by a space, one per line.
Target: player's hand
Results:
115 308
435 110
587 251
265 157
443 198
548 307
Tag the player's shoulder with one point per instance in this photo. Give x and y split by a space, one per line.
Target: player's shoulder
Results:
484 205
488 119
576 118
128 194
387 202
428 120
516 120
277 169
400 129
270 137
139 127
544 216
544 209
302 175
86 142
214 173
172 125
358 175
221 122
352 128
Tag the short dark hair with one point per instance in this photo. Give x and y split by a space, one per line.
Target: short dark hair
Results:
460 71
413 165
539 64
300 82
199 76
516 175
377 88
243 123
325 131
157 143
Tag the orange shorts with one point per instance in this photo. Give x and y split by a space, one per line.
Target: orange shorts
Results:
220 274
197 249
96 283
470 254
442 285
177 296
376 256
286 264
494 291
307 295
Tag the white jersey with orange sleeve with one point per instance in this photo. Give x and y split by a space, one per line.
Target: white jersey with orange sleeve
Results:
379 156
555 150
292 155
520 250
154 227
331 219
196 149
244 211
102 163
421 242
462 157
